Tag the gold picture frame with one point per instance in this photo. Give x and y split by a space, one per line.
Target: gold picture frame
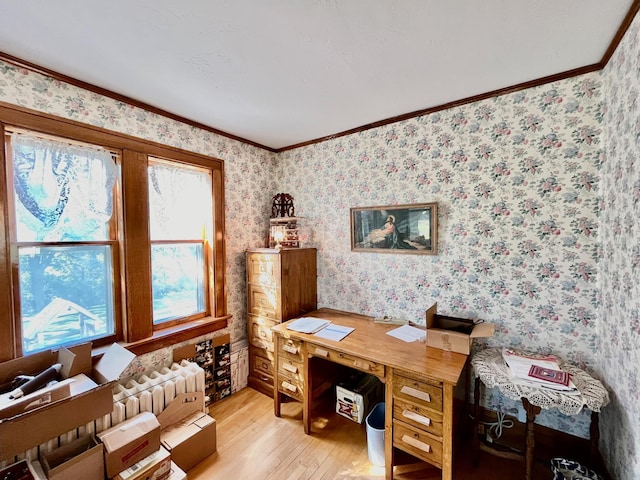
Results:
409 229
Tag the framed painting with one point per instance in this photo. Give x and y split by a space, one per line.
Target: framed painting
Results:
395 229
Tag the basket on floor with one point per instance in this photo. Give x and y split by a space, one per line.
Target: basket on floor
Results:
565 469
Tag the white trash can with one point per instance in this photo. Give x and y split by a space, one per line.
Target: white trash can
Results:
375 435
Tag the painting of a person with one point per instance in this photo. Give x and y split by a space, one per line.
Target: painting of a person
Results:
387 236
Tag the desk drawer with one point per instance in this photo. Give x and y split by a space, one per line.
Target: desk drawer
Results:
418 416
290 349
290 386
418 443
347 360
290 369
418 392
260 334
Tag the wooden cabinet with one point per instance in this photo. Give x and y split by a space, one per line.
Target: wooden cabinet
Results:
281 284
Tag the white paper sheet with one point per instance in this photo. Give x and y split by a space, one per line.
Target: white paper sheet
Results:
308 324
408 334
334 332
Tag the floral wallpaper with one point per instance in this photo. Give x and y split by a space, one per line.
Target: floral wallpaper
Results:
619 327
516 179
520 180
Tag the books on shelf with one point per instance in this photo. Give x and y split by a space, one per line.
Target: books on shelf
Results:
539 370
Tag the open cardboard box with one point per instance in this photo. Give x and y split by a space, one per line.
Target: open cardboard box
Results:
187 432
81 458
50 412
454 334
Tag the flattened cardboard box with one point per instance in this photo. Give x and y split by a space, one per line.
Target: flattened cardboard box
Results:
48 414
454 334
82 458
129 442
152 467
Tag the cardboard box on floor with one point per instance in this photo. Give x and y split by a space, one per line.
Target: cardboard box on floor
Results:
129 442
187 432
81 458
48 413
156 466
454 334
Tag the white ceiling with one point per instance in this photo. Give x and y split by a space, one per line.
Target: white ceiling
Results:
283 72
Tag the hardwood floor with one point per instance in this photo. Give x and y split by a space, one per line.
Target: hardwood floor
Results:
252 443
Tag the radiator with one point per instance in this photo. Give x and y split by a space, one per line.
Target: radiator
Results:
149 393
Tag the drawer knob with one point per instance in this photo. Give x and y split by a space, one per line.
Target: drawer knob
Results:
426 421
425 447
290 387
413 392
290 368
321 352
290 349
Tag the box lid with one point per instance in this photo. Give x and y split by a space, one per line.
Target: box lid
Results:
483 330
122 434
114 361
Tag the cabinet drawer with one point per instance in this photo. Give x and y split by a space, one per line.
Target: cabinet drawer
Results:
261 366
260 334
263 269
418 443
418 416
290 387
290 349
290 369
347 360
418 392
263 301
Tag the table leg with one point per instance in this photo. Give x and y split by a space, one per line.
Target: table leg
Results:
307 398
476 411
594 437
530 439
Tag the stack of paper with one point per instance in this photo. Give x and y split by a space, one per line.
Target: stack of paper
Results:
308 325
539 370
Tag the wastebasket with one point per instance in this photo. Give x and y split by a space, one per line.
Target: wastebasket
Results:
565 469
375 435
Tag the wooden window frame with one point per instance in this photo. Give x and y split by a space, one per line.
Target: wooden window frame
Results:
137 331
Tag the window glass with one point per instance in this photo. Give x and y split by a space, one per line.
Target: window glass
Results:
63 205
180 204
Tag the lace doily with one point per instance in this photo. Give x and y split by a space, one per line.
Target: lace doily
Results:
491 369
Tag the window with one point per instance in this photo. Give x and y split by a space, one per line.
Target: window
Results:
62 198
105 237
180 224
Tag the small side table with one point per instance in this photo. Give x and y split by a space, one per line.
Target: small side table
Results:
492 371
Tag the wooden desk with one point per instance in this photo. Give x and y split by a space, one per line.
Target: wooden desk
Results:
419 382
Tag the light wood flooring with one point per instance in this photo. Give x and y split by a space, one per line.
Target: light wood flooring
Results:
252 443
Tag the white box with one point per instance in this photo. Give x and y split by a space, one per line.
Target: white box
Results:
355 402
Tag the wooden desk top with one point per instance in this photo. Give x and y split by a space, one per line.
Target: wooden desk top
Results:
370 341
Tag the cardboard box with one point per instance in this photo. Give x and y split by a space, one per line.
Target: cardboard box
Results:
48 415
20 471
81 458
187 432
129 442
356 400
156 466
454 334
176 473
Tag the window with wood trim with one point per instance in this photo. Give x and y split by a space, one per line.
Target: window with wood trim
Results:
105 237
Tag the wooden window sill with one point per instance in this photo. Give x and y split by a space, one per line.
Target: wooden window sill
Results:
170 336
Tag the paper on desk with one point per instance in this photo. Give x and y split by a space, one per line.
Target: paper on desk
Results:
334 332
407 333
308 324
